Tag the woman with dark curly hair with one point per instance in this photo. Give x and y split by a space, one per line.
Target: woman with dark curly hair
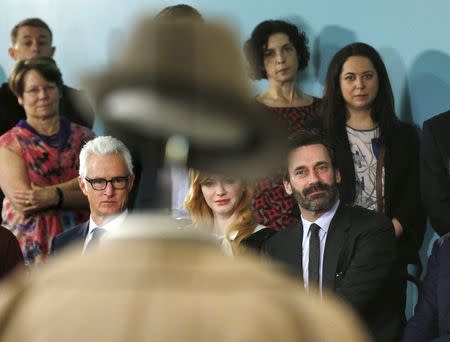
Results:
278 51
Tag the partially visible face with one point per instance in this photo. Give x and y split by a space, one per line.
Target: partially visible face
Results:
31 42
312 179
40 98
280 58
359 83
109 201
222 194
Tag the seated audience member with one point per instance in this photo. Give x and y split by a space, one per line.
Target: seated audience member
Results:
31 38
431 320
347 249
106 179
223 203
278 51
156 282
39 161
10 253
435 171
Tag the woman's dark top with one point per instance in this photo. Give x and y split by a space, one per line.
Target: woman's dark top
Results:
401 183
273 207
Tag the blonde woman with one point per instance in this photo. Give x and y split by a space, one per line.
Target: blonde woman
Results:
224 204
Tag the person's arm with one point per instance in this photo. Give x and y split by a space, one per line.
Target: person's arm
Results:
14 177
68 196
29 198
435 181
372 262
423 326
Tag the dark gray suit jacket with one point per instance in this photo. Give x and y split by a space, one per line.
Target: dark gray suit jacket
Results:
69 237
359 266
435 171
431 320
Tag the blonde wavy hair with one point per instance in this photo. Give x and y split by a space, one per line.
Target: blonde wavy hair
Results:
202 214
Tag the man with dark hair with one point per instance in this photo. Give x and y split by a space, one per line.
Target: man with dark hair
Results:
346 249
30 38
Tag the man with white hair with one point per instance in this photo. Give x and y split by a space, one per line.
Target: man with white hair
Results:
106 178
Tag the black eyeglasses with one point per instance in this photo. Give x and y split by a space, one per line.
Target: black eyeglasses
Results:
117 183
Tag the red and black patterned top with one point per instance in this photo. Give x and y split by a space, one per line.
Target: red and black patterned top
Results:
272 206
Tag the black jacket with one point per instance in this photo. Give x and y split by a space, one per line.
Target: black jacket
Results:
401 184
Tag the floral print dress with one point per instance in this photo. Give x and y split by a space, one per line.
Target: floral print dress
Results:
50 160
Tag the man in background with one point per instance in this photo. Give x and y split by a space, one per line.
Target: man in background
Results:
30 38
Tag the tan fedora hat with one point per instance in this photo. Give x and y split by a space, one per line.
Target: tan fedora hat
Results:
187 79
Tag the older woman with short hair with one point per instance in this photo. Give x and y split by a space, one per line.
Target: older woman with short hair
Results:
278 51
39 161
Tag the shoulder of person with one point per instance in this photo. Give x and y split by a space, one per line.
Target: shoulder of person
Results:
438 120
71 91
6 234
282 234
359 213
72 232
444 240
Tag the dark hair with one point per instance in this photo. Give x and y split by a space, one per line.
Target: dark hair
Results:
310 136
34 22
179 11
333 106
46 66
254 47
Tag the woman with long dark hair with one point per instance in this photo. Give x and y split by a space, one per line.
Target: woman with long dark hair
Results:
377 154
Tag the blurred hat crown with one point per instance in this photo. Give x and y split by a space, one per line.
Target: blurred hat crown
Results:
184 78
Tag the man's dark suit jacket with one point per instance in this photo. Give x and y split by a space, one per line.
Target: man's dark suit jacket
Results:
10 253
435 171
358 266
76 234
431 320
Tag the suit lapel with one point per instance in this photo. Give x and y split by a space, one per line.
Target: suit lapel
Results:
336 237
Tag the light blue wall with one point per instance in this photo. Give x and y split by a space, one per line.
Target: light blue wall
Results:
412 37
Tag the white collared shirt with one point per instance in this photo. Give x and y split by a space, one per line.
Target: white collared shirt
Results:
110 226
324 223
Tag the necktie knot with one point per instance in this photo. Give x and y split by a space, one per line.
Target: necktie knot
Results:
96 236
314 228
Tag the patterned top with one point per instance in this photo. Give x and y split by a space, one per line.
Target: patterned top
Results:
49 160
364 145
273 207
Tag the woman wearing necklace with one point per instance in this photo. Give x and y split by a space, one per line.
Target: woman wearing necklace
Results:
278 51
377 154
39 160
222 204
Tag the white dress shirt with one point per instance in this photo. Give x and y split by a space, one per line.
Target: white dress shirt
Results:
110 226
